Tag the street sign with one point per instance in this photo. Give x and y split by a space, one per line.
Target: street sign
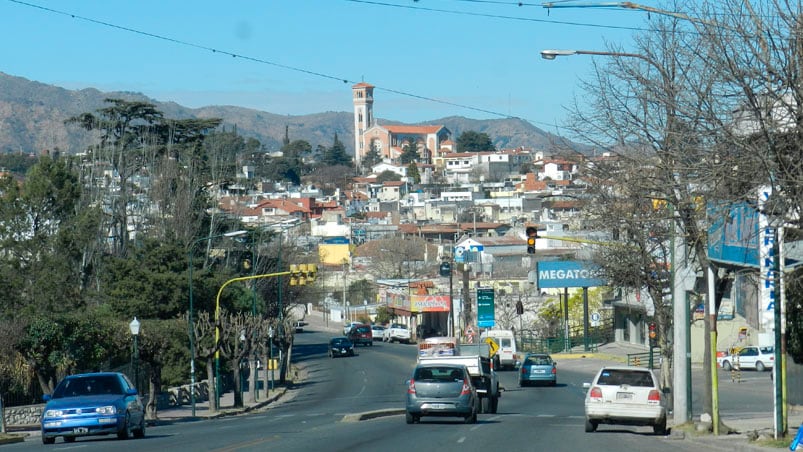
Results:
493 347
485 307
594 318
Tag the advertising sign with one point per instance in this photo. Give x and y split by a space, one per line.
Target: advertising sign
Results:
559 274
485 307
429 303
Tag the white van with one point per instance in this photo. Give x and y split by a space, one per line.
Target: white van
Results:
507 346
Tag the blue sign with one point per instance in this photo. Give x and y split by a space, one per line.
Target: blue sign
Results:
733 235
336 240
485 307
559 274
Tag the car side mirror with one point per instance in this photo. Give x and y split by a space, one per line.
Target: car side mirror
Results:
47 397
586 385
518 364
407 382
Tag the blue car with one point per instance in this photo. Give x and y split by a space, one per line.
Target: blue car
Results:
100 403
538 368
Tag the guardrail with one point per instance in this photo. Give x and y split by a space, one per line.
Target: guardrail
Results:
642 359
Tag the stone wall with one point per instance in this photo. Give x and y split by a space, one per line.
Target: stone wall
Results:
29 416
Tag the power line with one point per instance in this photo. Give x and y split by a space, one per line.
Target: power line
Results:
345 80
497 16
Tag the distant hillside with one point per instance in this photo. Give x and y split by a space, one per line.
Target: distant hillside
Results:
32 116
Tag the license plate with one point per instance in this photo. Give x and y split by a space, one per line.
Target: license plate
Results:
624 396
438 406
540 371
80 430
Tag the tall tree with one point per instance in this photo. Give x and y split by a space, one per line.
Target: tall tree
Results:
336 154
409 152
471 141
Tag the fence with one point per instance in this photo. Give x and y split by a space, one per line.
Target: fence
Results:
532 342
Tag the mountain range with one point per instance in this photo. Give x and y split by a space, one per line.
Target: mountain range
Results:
32 116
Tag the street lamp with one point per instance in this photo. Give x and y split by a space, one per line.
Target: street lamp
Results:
134 327
190 327
681 349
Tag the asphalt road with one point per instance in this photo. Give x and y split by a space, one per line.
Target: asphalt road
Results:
311 416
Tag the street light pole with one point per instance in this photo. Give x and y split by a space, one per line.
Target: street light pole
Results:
681 351
190 326
134 327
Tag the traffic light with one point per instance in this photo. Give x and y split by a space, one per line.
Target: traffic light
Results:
653 333
532 234
445 269
519 308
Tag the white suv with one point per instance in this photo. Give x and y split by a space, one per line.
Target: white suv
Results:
749 357
625 395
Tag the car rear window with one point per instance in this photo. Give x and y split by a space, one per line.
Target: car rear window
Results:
440 374
364 329
538 361
618 377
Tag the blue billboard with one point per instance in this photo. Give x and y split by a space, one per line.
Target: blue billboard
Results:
733 235
557 274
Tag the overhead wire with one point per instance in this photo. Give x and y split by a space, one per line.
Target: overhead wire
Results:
326 75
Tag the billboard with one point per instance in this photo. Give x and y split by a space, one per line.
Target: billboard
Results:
557 274
733 236
485 307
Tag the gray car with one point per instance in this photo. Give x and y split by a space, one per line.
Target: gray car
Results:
441 390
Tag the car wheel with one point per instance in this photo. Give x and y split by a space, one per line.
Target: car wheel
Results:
409 417
760 366
726 365
660 427
125 433
485 405
591 426
494 404
69 439
140 432
472 418
48 439
553 383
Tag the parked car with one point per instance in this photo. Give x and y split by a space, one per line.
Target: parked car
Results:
537 368
397 332
348 327
625 395
749 357
299 326
377 331
361 335
438 389
100 403
340 346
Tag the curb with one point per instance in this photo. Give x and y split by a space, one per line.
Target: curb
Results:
372 415
13 438
223 413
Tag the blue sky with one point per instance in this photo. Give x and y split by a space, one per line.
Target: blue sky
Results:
293 55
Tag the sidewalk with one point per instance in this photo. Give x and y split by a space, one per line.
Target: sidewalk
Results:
748 428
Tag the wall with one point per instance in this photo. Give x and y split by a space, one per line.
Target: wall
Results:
29 416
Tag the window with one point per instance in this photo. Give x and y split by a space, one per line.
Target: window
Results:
618 377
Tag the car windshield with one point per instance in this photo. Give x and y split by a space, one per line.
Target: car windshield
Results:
618 377
440 374
340 342
90 385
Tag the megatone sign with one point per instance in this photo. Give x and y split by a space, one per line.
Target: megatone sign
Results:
568 274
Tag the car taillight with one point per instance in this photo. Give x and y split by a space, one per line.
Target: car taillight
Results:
524 370
596 393
466 388
654 397
554 370
411 387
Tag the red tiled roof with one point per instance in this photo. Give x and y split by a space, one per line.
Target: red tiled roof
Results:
413 129
362 85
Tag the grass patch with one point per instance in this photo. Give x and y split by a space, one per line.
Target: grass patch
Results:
782 443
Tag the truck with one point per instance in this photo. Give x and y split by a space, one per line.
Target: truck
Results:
476 358
507 353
